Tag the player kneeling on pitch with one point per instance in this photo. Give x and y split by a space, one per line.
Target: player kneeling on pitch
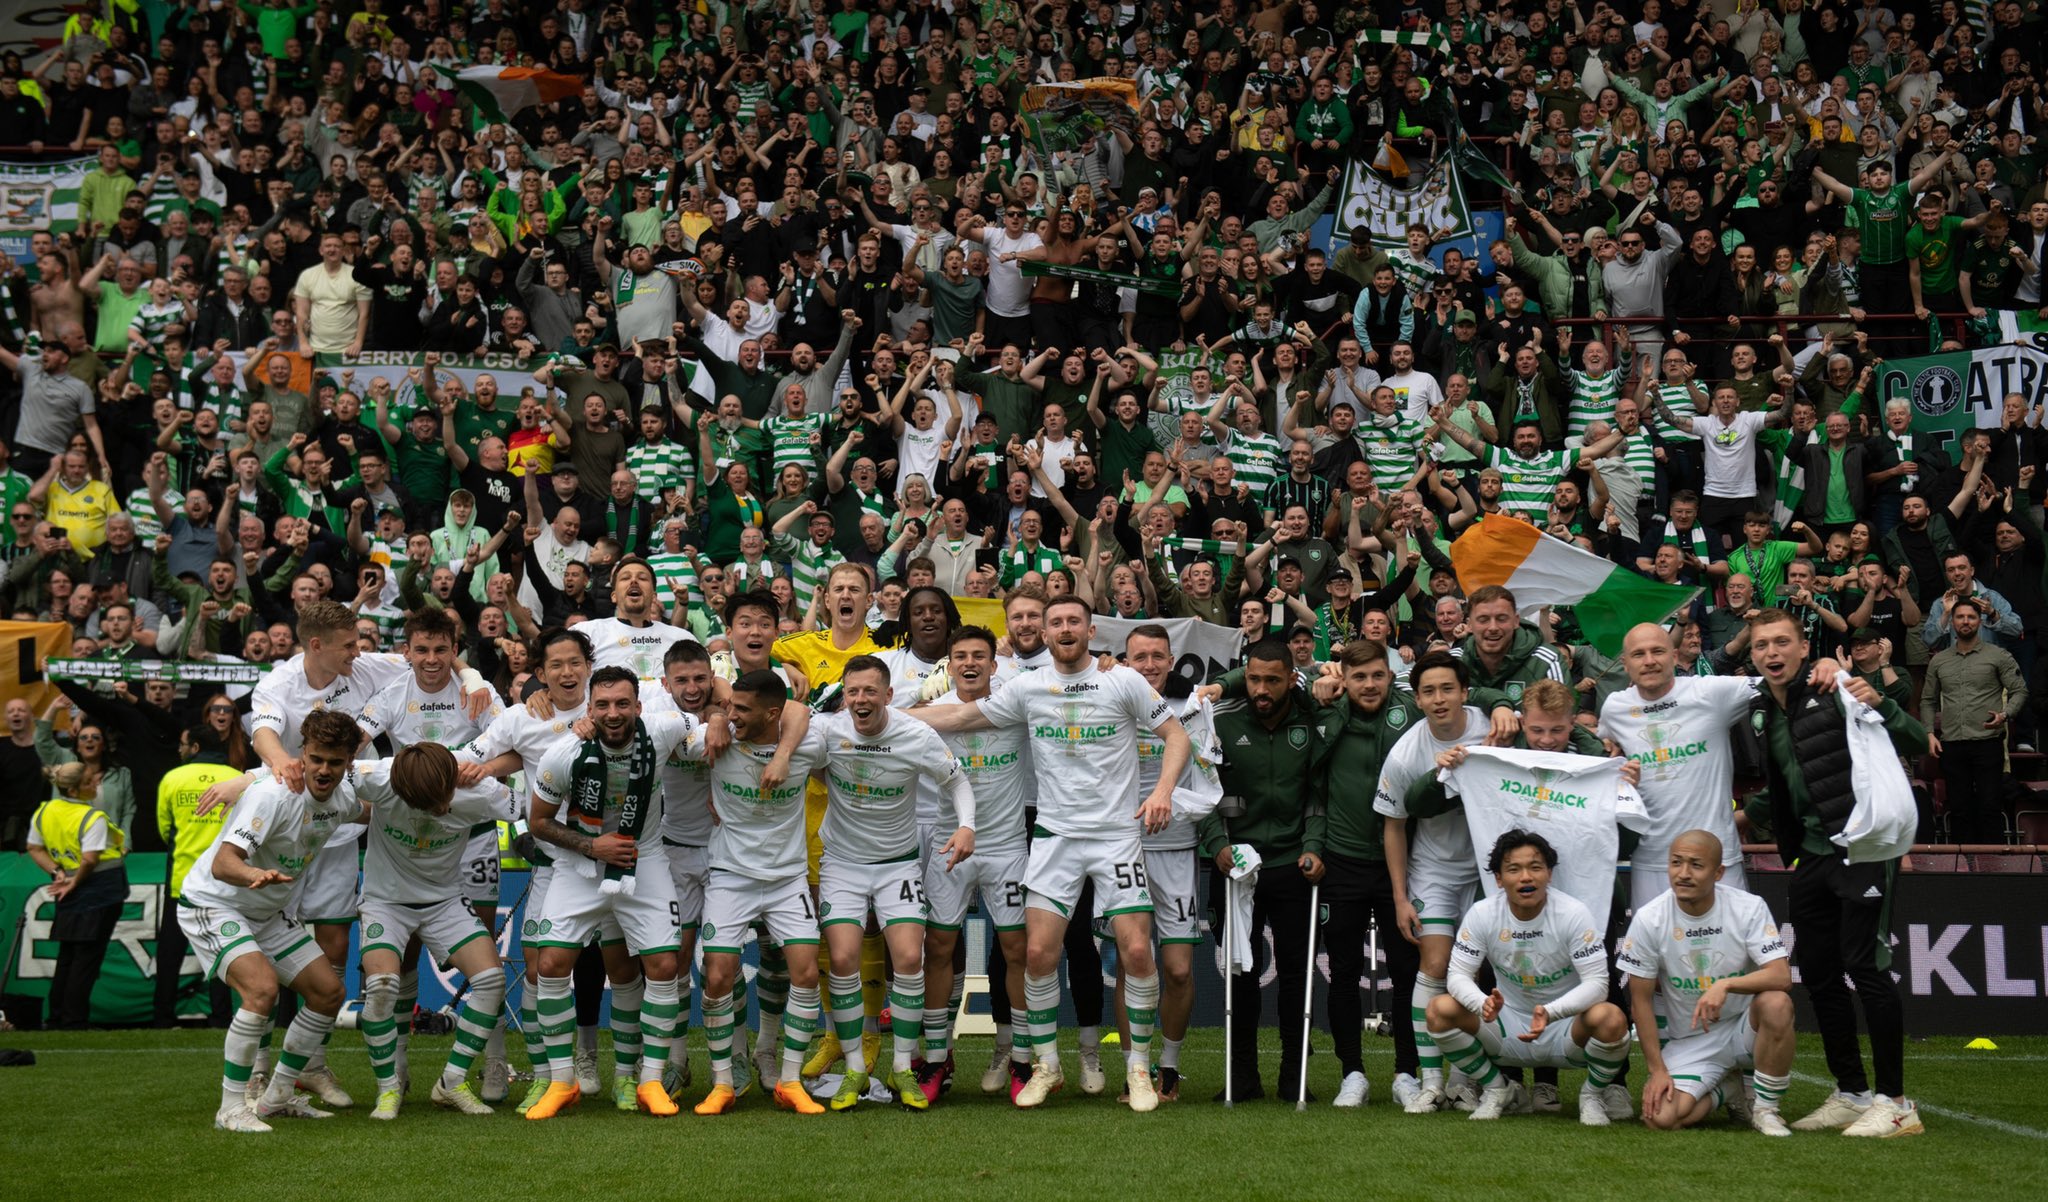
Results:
1551 964
1714 958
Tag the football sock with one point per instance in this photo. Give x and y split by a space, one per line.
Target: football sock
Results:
846 1003
1605 1060
1042 1015
303 1038
771 989
380 1030
1169 1053
1428 1059
1090 1038
1141 1008
938 1032
658 1027
246 1033
718 1036
408 1001
474 1024
799 1024
626 1000
1464 1051
557 1014
906 1014
529 1031
1770 1090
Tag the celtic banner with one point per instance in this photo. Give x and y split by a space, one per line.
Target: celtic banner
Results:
42 196
1964 389
1432 197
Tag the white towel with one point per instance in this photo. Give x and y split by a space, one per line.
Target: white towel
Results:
1882 825
1244 878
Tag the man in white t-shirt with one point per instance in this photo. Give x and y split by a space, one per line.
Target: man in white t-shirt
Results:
1728 439
1417 392
1709 982
1009 292
1084 725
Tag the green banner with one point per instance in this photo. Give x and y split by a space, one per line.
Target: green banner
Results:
1431 196
126 991
1963 389
1034 267
175 671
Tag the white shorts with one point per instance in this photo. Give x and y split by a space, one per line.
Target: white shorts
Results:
330 891
894 890
687 868
536 909
1060 864
1176 917
441 926
1552 1049
221 936
480 868
733 902
997 876
1699 1061
1654 880
645 919
1440 900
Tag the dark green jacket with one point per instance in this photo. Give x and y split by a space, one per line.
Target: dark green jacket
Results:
1351 774
1528 660
1279 773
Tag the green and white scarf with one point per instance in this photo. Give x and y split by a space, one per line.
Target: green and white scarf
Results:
587 797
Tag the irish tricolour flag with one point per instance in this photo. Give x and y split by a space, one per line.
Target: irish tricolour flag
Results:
499 92
1605 597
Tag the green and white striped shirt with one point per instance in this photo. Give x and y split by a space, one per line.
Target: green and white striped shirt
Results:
1679 399
1392 445
791 438
671 567
1257 459
659 465
1527 485
1593 399
809 564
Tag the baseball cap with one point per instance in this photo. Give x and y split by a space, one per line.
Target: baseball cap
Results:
1464 317
1865 634
1284 561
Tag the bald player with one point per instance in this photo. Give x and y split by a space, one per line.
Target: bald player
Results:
1709 980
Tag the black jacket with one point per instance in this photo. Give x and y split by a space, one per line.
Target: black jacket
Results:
216 321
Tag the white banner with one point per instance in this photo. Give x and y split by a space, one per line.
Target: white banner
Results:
1202 650
1434 199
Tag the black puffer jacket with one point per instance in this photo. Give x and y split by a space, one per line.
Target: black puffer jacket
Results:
1820 744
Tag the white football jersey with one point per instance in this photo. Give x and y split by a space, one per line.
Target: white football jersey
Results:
278 830
1439 848
1688 757
760 832
415 858
871 785
1084 743
1685 954
1535 961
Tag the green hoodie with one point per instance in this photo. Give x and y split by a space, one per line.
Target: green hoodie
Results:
454 539
1528 660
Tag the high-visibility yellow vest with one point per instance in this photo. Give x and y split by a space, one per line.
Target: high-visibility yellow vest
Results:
63 825
188 834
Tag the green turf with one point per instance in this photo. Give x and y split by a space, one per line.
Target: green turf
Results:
137 1107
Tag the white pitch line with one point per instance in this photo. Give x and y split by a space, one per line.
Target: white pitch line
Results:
1945 1112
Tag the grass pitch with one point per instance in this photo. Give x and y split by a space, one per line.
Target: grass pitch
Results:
128 1114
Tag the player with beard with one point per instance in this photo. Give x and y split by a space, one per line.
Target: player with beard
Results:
635 636
1024 625
929 617
1084 724
595 797
1170 854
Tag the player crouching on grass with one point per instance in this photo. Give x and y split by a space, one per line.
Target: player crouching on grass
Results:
1551 965
1715 959
232 908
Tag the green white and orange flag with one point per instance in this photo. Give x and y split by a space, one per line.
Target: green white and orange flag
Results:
1605 597
499 92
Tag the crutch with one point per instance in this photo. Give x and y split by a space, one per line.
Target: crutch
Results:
1308 994
1229 994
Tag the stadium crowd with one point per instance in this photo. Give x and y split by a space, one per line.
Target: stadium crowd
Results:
763 290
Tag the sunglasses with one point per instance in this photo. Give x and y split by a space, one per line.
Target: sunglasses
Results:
220 709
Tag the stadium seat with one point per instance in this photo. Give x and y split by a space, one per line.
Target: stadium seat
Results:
2012 863
2033 826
